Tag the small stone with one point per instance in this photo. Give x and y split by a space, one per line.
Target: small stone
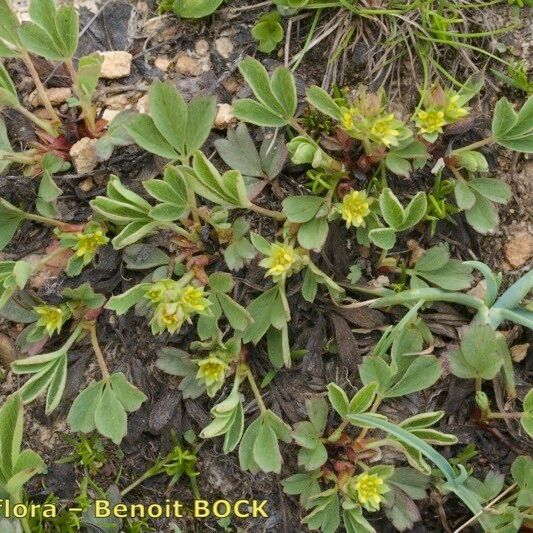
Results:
225 117
188 66
56 95
479 290
117 101
224 47
117 64
142 104
110 114
86 185
519 352
231 85
162 63
83 154
201 47
519 249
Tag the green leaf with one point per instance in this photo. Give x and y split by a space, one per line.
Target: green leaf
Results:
256 113
483 217
110 416
8 94
11 423
504 118
238 317
423 372
375 370
479 355
121 303
320 99
338 399
238 151
194 9
145 133
464 197
129 395
82 411
391 209
313 234
168 111
301 208
433 259
363 399
415 211
492 189
284 90
257 78
201 112
385 238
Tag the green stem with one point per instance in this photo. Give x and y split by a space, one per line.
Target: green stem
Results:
504 416
43 124
255 390
45 220
186 278
377 401
97 350
41 91
476 145
180 231
278 215
24 158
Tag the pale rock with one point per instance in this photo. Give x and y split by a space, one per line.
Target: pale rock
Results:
224 47
142 104
117 64
188 66
162 63
86 185
231 85
519 249
117 101
519 352
110 114
83 154
479 290
380 282
225 117
56 95
201 47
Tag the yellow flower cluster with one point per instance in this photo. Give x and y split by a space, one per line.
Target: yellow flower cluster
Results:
282 261
440 110
369 489
89 241
52 317
174 304
355 206
211 370
385 130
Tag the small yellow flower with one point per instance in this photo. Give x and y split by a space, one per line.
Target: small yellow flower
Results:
354 208
452 110
384 130
169 316
282 262
211 370
51 317
88 242
165 290
347 119
193 300
369 488
430 121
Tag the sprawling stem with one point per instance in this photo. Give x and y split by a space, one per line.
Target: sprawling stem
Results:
255 390
97 350
476 145
278 215
41 91
43 124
